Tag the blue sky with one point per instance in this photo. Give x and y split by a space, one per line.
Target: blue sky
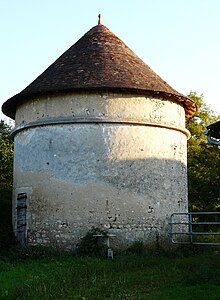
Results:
178 39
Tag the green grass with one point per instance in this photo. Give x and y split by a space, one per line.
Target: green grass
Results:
56 275
44 273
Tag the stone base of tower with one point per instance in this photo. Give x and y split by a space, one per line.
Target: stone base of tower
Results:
60 213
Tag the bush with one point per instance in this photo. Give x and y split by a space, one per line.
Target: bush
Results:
90 245
137 248
6 231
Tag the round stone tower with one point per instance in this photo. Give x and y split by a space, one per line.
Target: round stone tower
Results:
100 140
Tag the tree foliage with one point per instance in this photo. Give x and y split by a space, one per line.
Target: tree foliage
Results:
203 160
6 156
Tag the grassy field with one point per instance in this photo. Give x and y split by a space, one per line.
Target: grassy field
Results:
128 276
43 273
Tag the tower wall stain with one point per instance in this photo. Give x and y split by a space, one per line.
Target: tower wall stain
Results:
118 163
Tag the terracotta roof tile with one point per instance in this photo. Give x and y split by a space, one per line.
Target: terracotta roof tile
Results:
99 61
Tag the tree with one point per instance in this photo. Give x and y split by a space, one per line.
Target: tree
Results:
6 156
203 160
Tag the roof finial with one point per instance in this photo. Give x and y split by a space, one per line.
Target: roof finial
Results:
99 19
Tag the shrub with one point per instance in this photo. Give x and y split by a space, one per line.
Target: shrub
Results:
137 248
91 245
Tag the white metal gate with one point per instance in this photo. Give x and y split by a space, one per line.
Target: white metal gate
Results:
198 228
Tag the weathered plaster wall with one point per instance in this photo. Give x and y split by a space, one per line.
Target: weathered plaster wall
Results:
112 161
104 106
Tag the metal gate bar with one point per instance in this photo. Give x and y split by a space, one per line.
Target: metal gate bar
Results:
185 232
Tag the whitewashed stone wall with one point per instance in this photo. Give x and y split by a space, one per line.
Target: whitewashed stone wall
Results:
106 160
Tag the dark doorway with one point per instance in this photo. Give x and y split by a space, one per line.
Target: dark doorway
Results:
22 219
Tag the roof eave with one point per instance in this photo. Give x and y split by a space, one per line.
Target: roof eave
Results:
9 107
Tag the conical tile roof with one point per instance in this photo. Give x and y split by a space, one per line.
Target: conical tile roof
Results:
99 61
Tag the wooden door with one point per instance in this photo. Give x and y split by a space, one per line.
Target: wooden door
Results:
22 219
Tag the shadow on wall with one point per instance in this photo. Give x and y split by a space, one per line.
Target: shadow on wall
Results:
121 156
126 178
154 181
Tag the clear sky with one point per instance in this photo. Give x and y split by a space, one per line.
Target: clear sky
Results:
178 39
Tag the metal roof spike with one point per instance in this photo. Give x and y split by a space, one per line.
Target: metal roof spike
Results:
99 19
